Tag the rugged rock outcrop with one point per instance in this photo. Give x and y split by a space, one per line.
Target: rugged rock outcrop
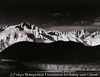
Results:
31 33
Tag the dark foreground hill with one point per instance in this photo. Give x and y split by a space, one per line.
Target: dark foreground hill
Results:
57 52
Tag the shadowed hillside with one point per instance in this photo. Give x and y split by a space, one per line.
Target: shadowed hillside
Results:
57 52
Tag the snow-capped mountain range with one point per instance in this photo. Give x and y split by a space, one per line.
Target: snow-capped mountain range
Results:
28 32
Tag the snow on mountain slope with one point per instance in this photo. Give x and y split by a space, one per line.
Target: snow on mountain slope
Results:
93 39
28 32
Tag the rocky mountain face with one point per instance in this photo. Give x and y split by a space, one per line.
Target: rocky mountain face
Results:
31 33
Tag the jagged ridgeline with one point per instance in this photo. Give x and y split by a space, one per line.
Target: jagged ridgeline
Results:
27 32
56 52
26 42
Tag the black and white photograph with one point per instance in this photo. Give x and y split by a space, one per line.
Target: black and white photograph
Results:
49 38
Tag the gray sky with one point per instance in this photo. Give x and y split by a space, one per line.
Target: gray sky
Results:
49 13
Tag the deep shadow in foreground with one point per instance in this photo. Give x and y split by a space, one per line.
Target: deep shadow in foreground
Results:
69 53
57 52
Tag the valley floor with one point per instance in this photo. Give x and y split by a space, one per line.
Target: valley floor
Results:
62 70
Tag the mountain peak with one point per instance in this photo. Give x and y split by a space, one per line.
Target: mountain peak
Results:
27 32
